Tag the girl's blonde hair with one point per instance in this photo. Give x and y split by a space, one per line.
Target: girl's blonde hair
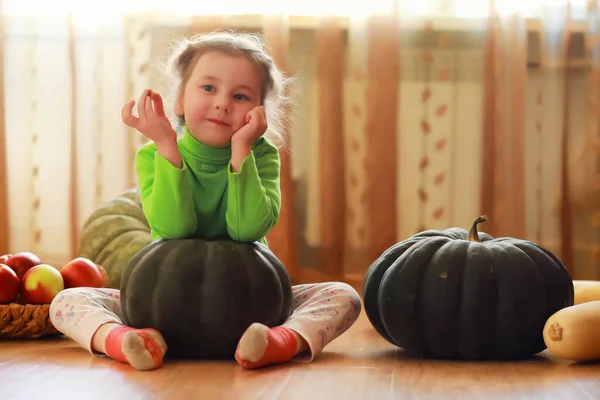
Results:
275 98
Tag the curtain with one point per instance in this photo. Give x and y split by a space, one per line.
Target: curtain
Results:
407 117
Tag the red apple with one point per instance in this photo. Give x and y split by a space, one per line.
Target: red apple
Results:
4 258
41 284
9 284
81 272
21 262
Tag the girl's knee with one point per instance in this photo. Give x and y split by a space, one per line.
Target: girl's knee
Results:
60 298
76 295
54 311
344 289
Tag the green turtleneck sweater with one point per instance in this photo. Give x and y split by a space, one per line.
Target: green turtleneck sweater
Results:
205 198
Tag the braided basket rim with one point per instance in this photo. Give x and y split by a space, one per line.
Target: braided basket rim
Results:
26 321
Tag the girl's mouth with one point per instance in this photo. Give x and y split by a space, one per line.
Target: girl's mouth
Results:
218 122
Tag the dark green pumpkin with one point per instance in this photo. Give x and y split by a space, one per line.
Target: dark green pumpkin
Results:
465 295
203 294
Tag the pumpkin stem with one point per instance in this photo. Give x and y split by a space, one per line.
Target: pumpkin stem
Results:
473 235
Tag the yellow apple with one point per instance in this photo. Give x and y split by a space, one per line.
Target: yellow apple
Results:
41 284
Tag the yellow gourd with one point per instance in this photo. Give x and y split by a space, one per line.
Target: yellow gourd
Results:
573 333
586 291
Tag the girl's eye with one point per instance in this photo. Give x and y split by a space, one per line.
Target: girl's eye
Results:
240 97
208 88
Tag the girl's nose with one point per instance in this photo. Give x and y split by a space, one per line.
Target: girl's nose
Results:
222 104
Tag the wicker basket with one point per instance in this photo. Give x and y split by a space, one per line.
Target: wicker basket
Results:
28 321
25 321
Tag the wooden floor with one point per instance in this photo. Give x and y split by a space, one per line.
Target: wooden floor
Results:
358 365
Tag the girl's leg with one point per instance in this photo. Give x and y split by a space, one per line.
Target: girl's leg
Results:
322 312
91 317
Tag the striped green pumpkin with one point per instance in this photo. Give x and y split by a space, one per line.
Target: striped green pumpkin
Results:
114 233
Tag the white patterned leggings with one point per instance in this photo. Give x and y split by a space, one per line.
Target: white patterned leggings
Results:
322 312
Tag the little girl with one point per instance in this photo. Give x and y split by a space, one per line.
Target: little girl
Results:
219 176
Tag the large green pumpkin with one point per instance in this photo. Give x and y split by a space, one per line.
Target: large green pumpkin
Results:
203 294
465 295
114 233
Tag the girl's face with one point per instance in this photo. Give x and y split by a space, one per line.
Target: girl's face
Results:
220 91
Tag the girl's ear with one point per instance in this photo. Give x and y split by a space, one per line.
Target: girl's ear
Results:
178 108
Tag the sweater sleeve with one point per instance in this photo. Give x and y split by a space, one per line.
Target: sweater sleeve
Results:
166 196
254 196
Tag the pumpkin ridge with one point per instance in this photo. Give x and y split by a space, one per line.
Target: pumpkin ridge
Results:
493 336
557 264
255 296
403 276
372 283
535 268
126 279
477 322
283 308
518 277
553 284
286 307
157 275
496 314
441 298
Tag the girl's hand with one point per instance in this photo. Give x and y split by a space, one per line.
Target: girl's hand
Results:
152 121
256 126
